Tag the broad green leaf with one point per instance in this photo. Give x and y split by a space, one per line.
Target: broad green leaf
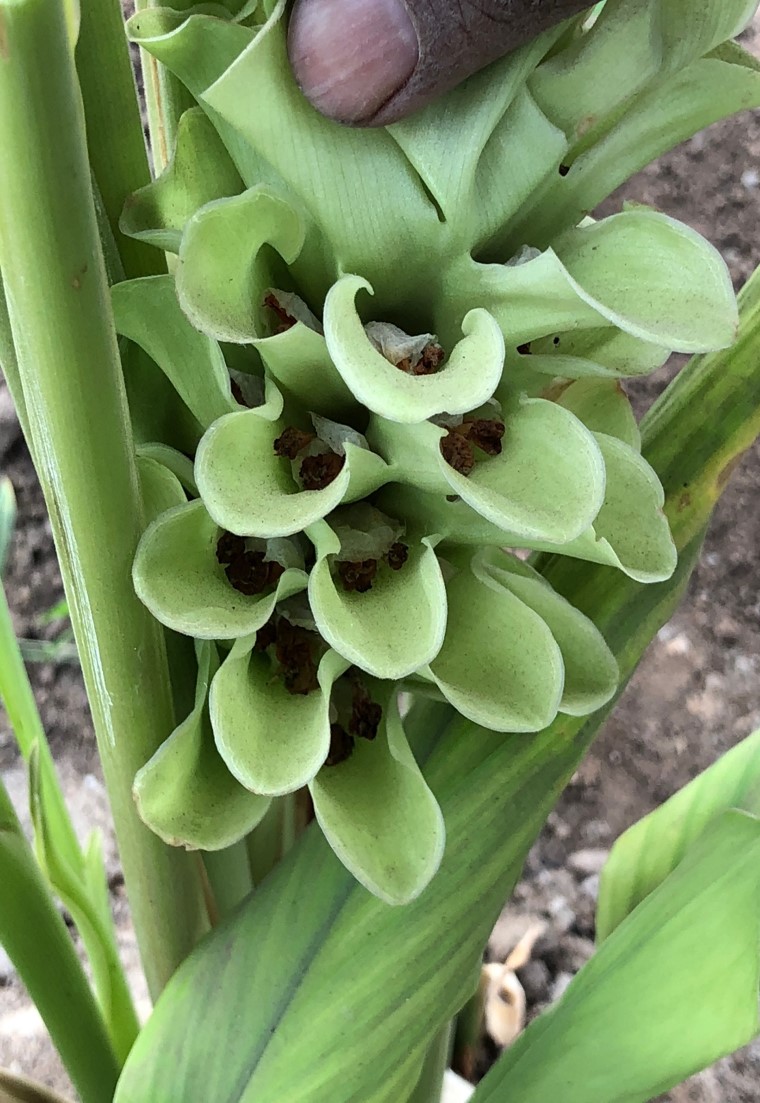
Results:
224 271
173 464
185 793
200 170
603 406
147 312
466 380
395 627
272 741
270 985
499 665
250 490
547 483
177 575
379 815
650 850
674 988
7 519
591 673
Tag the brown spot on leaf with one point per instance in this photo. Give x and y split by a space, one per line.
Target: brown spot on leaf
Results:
524 350
564 169
319 471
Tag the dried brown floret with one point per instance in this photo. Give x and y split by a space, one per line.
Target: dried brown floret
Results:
486 434
397 556
266 635
430 361
319 471
457 451
366 714
252 573
237 393
285 321
229 547
357 577
341 746
293 650
292 441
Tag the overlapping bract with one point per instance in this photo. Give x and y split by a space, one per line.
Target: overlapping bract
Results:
354 488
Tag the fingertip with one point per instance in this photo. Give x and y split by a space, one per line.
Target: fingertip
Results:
350 57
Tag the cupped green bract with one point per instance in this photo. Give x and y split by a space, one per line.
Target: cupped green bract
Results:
499 665
177 575
250 490
548 482
272 741
223 273
591 672
395 627
467 379
379 815
185 793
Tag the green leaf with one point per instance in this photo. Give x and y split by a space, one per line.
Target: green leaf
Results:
272 741
249 490
7 519
379 815
177 575
499 665
649 851
395 627
81 886
591 672
605 352
147 312
674 988
185 793
467 379
200 170
17 1089
224 271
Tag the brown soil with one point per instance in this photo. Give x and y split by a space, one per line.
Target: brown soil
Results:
696 693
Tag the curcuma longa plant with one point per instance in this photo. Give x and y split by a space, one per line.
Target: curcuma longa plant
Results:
395 522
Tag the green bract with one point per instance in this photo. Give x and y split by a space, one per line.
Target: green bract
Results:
399 352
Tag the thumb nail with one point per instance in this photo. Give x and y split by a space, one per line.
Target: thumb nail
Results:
351 56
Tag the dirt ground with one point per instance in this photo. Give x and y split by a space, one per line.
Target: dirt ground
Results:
696 693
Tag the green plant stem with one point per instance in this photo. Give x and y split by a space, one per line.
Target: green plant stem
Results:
38 944
430 1084
117 150
69 370
21 1090
165 96
229 876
